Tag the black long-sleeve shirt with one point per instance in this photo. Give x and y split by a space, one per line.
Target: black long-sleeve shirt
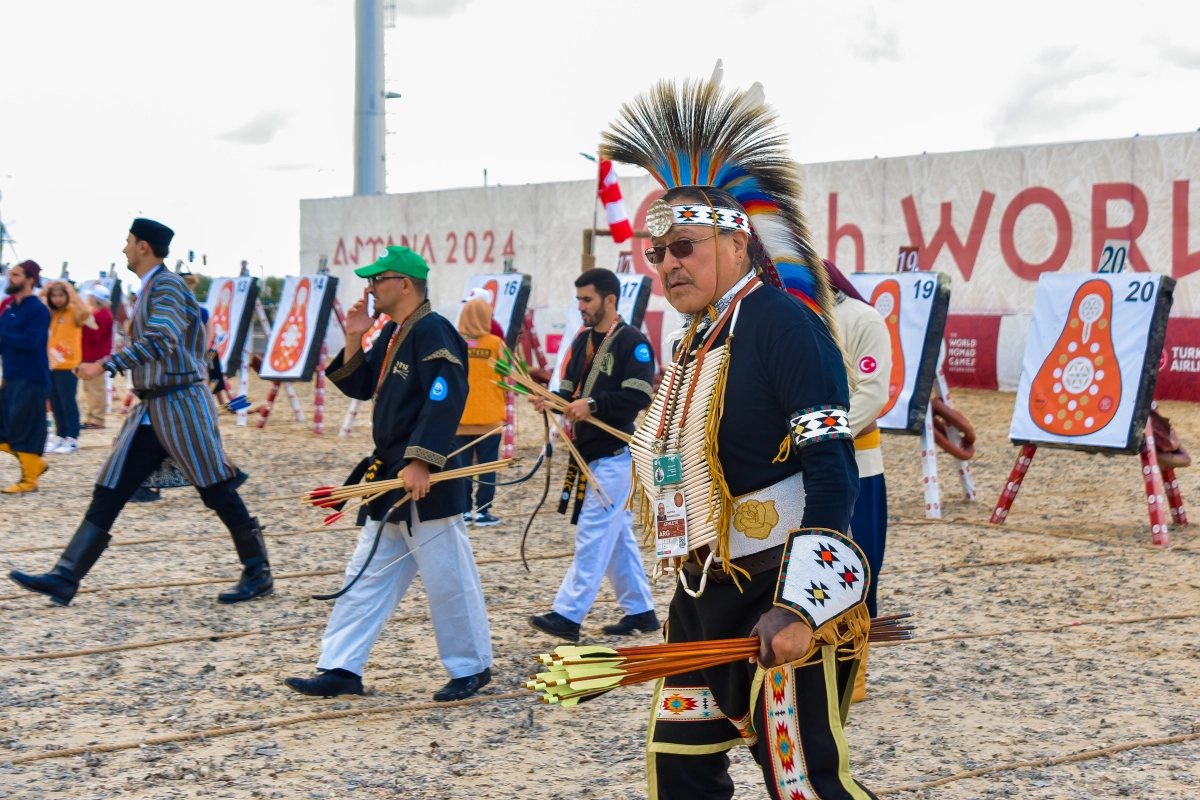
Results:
417 406
783 361
619 380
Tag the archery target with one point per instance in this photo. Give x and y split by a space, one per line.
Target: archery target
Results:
914 306
230 305
301 319
1091 360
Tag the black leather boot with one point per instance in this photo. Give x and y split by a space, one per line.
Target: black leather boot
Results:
256 580
646 622
61 583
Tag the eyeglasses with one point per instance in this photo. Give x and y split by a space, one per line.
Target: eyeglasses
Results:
680 248
375 280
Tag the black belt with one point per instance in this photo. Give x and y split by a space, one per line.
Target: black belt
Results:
754 564
162 391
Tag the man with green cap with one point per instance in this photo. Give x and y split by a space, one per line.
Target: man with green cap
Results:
417 375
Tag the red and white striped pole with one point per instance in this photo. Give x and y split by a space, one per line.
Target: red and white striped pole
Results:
319 397
929 476
510 430
1004 504
1155 496
348 423
244 384
296 408
1174 498
265 411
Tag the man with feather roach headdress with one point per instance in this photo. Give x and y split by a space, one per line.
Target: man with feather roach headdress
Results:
750 430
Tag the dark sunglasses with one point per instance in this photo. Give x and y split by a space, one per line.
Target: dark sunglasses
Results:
681 248
375 280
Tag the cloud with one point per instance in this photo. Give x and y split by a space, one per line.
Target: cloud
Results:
260 129
426 8
1052 95
752 7
1178 55
877 43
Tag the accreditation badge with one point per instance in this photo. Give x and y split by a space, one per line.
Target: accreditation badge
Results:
670 525
668 470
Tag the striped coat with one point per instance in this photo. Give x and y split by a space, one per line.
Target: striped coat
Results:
168 348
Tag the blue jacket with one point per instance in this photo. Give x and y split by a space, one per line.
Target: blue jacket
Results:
24 334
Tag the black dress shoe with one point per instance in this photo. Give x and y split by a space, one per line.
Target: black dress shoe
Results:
462 688
256 581
327 683
645 622
556 624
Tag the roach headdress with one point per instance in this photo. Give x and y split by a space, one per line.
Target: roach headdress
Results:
698 134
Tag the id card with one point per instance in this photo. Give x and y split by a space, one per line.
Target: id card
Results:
668 470
670 525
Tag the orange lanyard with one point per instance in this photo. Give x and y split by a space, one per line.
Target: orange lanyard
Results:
391 351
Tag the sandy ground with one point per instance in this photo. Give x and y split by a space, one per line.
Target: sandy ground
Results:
934 709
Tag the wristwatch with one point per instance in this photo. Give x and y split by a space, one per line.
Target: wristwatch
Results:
591 404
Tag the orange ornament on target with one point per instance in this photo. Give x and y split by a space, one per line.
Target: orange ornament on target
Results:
886 299
1078 388
289 345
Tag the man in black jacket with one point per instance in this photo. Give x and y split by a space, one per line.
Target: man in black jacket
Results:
608 374
417 375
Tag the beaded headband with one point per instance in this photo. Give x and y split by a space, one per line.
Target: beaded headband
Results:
662 215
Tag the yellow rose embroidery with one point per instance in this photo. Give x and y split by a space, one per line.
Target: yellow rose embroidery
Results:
755 518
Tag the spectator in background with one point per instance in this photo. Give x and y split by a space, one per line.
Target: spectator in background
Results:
486 294
68 314
97 347
485 404
24 329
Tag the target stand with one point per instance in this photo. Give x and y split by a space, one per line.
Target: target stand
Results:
1087 381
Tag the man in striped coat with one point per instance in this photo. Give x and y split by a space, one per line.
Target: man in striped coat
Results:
176 418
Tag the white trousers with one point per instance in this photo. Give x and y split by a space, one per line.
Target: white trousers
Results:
441 550
605 545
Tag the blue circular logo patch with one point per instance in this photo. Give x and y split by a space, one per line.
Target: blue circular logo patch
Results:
642 353
439 390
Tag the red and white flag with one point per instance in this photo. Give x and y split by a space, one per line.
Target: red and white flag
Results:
614 206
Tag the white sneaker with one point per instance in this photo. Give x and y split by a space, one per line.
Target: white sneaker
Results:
67 446
52 442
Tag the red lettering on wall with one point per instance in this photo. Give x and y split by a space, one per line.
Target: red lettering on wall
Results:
640 265
1036 195
964 254
1101 194
836 233
1182 262
375 242
427 247
339 253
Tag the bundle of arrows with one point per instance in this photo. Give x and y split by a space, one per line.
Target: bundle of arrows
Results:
335 496
524 383
579 673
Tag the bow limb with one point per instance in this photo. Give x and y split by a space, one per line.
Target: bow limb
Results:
548 452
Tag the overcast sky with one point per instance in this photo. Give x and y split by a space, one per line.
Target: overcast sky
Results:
217 117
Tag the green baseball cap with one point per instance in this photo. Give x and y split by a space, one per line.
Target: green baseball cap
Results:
396 259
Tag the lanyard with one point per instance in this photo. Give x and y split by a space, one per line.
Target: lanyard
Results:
591 354
391 351
673 389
